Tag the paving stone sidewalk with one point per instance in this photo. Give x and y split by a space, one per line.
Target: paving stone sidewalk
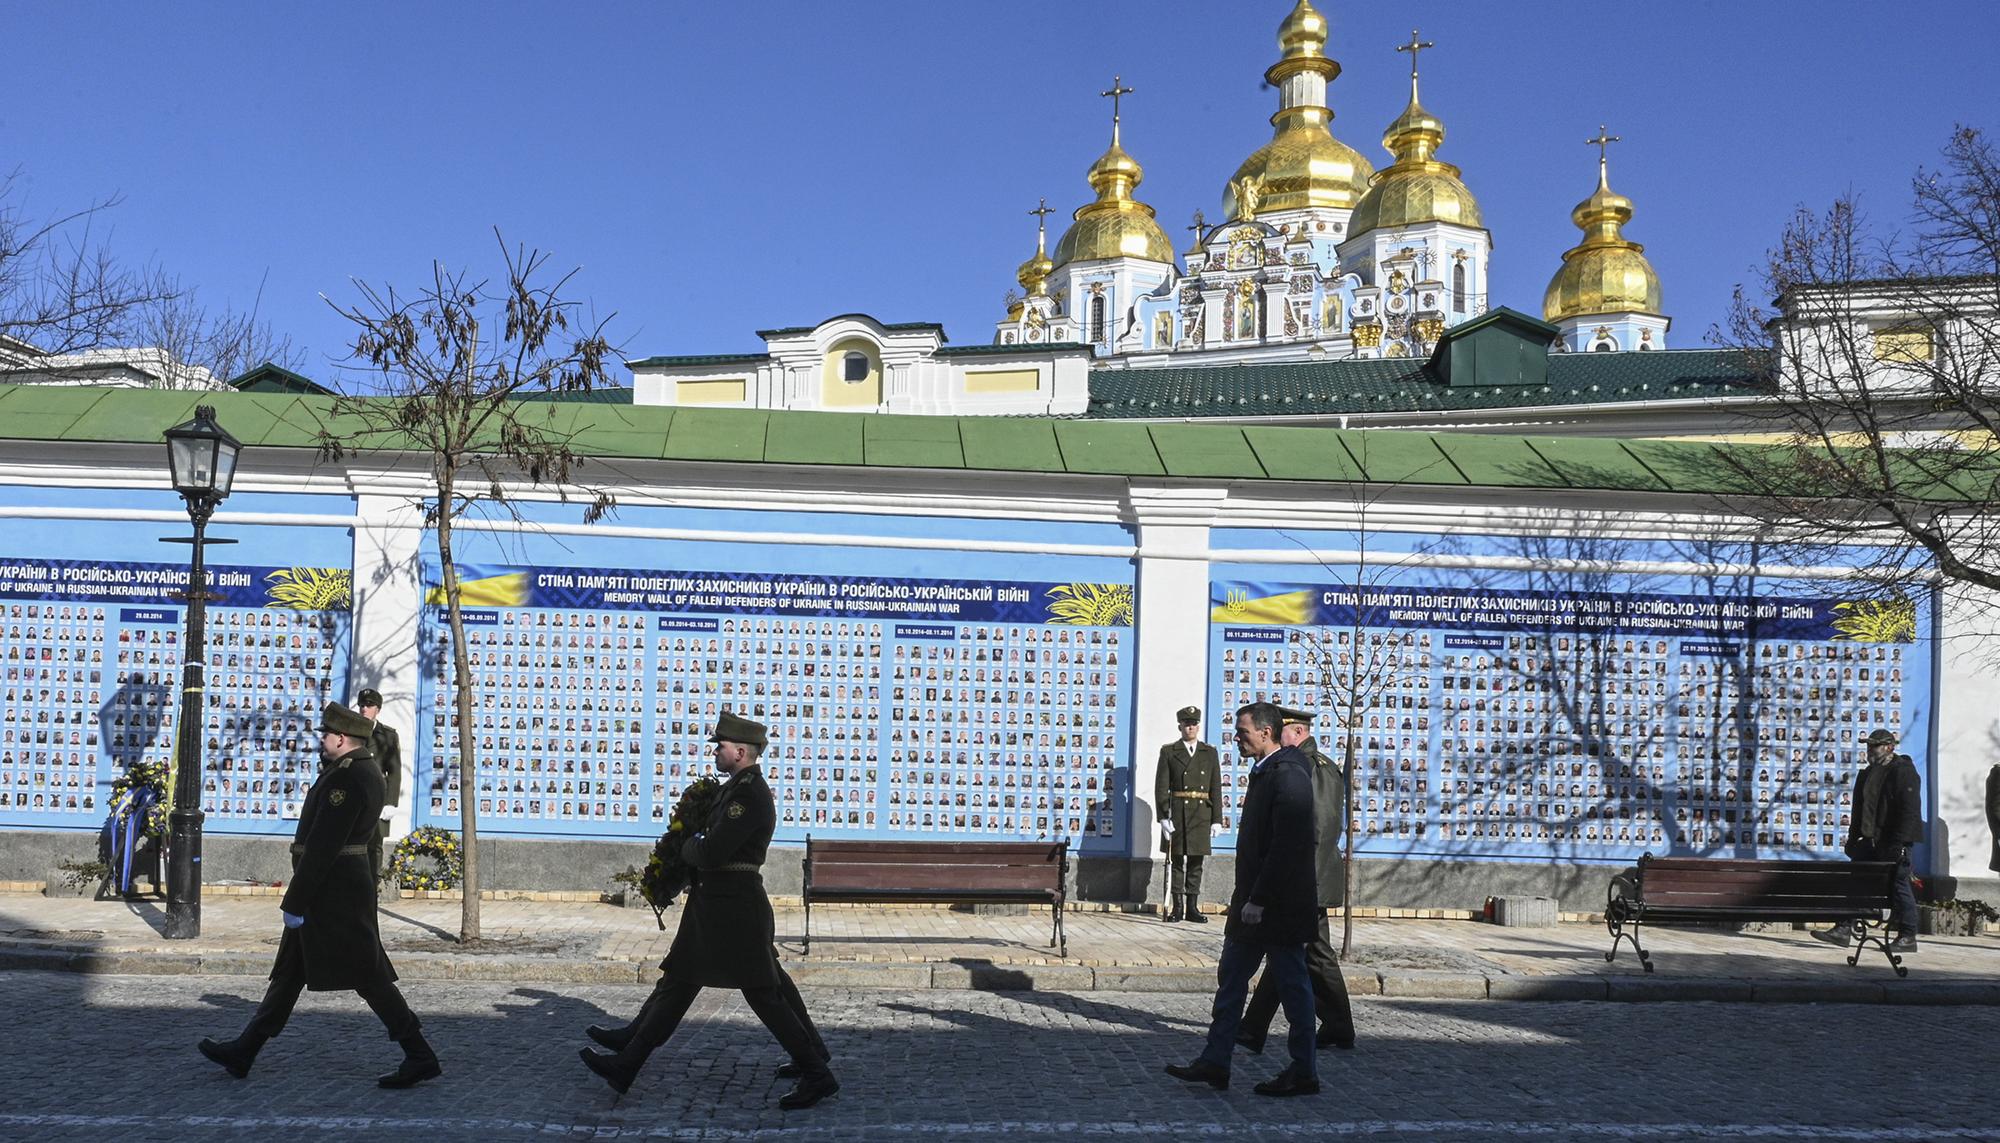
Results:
937 947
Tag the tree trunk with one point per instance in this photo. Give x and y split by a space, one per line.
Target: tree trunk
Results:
461 665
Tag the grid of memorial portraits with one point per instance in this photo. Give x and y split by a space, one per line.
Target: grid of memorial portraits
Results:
595 721
91 689
1482 743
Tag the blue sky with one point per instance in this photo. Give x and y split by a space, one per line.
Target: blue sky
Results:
716 169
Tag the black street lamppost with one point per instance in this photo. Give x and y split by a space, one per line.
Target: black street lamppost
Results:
202 457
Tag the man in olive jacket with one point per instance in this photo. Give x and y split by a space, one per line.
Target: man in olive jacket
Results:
387 747
1187 792
331 942
726 931
1336 1015
1273 912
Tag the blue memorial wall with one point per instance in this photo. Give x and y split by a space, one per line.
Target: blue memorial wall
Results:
90 684
909 693
1581 716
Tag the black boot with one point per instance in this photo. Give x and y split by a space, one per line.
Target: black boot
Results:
1194 911
419 1064
1173 911
615 1069
810 1090
235 1056
790 1069
613 1036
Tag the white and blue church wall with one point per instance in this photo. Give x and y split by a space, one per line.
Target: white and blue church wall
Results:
1134 596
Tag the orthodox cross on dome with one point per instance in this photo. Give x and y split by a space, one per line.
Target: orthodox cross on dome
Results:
1603 144
1118 91
1200 224
1416 45
1041 214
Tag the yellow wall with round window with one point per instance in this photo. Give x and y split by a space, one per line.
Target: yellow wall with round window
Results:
852 374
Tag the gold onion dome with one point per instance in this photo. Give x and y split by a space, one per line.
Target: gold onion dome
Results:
1303 164
1035 271
1606 273
1116 225
1417 187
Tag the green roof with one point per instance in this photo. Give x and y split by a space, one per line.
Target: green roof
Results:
597 395
1397 385
701 359
1211 451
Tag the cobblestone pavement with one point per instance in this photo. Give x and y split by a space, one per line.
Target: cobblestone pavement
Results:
101 1057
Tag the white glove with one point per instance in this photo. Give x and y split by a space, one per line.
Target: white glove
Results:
1251 914
1214 828
1167 826
292 920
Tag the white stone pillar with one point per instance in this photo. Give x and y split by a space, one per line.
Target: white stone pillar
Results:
1171 628
388 603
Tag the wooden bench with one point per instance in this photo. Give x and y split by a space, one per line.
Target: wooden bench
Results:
939 872
1670 889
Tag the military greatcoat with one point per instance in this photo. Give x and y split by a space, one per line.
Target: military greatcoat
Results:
333 886
727 928
1329 824
1187 790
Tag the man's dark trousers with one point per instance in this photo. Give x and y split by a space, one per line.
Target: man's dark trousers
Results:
1287 963
1903 899
1329 988
780 1008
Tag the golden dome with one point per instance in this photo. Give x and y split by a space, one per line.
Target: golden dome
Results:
1116 225
1606 273
1417 187
1303 164
1036 270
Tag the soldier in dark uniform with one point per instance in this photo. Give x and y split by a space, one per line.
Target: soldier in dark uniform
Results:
1336 1016
726 932
1187 790
388 750
1887 818
1273 911
330 941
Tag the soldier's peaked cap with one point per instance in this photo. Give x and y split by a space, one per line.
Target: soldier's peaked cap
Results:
1302 717
1188 714
337 719
734 728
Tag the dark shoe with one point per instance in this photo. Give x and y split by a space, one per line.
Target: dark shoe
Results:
1906 943
1201 1071
1288 1082
610 1036
411 1072
1839 935
235 1056
810 1090
1327 1039
612 1068
1252 1041
1193 913
1171 915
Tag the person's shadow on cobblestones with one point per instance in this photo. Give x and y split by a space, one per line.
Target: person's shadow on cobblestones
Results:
1068 1004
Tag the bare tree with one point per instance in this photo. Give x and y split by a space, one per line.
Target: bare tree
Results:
450 364
197 346
61 290
1882 354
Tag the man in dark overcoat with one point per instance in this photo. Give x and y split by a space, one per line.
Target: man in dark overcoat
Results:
1993 815
1273 912
1336 1015
726 933
388 749
1886 819
330 941
1187 794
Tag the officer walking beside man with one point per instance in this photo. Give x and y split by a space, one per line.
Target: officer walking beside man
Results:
1187 793
330 941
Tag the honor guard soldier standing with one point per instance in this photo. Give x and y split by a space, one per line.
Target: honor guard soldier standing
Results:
388 750
726 933
330 941
1187 790
1336 1016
